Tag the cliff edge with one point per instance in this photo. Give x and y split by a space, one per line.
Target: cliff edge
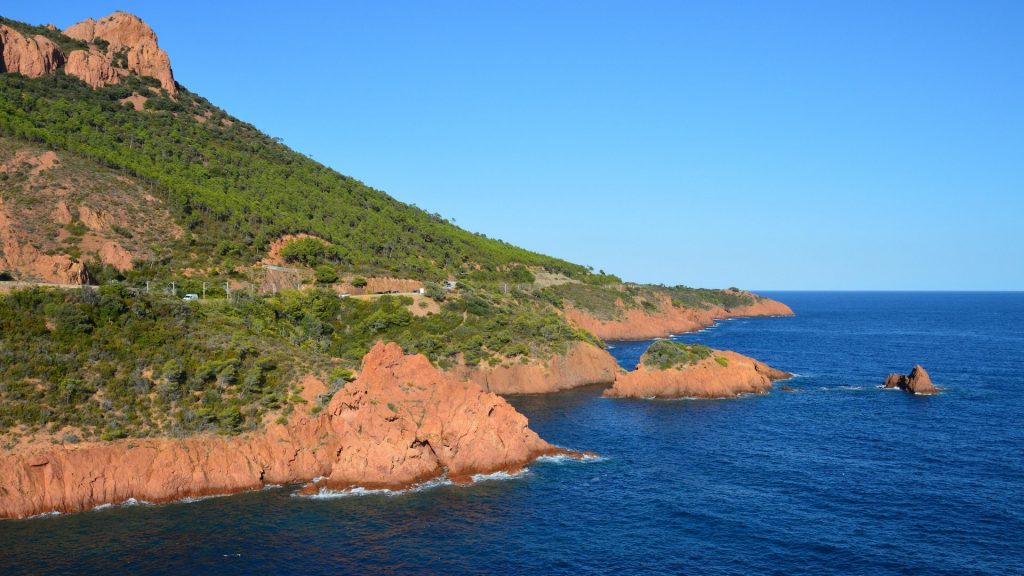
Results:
666 318
399 423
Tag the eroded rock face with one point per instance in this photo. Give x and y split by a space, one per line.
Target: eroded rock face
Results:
917 382
707 378
93 67
17 254
400 422
637 324
126 34
32 56
584 364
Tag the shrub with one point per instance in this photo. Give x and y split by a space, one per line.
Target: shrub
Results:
359 282
434 291
311 252
722 360
326 274
666 354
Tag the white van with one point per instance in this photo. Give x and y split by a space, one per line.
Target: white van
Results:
191 297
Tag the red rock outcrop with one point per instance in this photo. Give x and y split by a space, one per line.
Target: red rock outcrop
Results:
128 33
93 67
706 378
917 382
400 422
638 324
32 56
20 255
582 365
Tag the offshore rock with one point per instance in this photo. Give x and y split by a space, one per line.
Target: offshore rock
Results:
917 382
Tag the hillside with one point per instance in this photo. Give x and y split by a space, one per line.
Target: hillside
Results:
235 189
114 175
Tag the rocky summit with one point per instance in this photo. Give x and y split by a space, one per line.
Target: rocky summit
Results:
108 50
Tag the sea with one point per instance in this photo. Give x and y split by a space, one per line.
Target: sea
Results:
838 477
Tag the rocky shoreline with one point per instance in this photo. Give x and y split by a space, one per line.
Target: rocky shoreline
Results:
667 319
400 423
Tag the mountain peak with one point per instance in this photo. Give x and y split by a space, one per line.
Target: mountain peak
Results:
131 45
100 52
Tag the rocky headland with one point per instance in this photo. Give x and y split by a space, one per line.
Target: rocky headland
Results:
694 371
399 423
668 319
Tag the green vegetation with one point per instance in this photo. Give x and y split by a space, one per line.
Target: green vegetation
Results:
236 189
705 298
599 301
722 361
434 291
120 361
598 298
114 363
666 354
326 274
311 251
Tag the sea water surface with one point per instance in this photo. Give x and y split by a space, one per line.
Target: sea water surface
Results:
841 477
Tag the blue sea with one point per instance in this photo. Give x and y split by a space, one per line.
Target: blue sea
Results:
840 477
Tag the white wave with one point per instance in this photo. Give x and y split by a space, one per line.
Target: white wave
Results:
45 514
564 458
326 494
500 476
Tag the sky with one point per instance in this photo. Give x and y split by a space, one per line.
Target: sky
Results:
829 145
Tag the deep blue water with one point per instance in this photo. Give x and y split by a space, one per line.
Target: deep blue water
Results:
840 477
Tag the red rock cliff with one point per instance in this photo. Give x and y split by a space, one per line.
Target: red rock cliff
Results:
32 56
583 364
126 33
638 324
400 422
705 379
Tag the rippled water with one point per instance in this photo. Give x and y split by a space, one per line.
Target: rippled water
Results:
840 477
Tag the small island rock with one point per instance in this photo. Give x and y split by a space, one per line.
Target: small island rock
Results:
674 370
917 382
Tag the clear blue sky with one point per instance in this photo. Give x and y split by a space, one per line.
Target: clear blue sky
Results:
771 145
